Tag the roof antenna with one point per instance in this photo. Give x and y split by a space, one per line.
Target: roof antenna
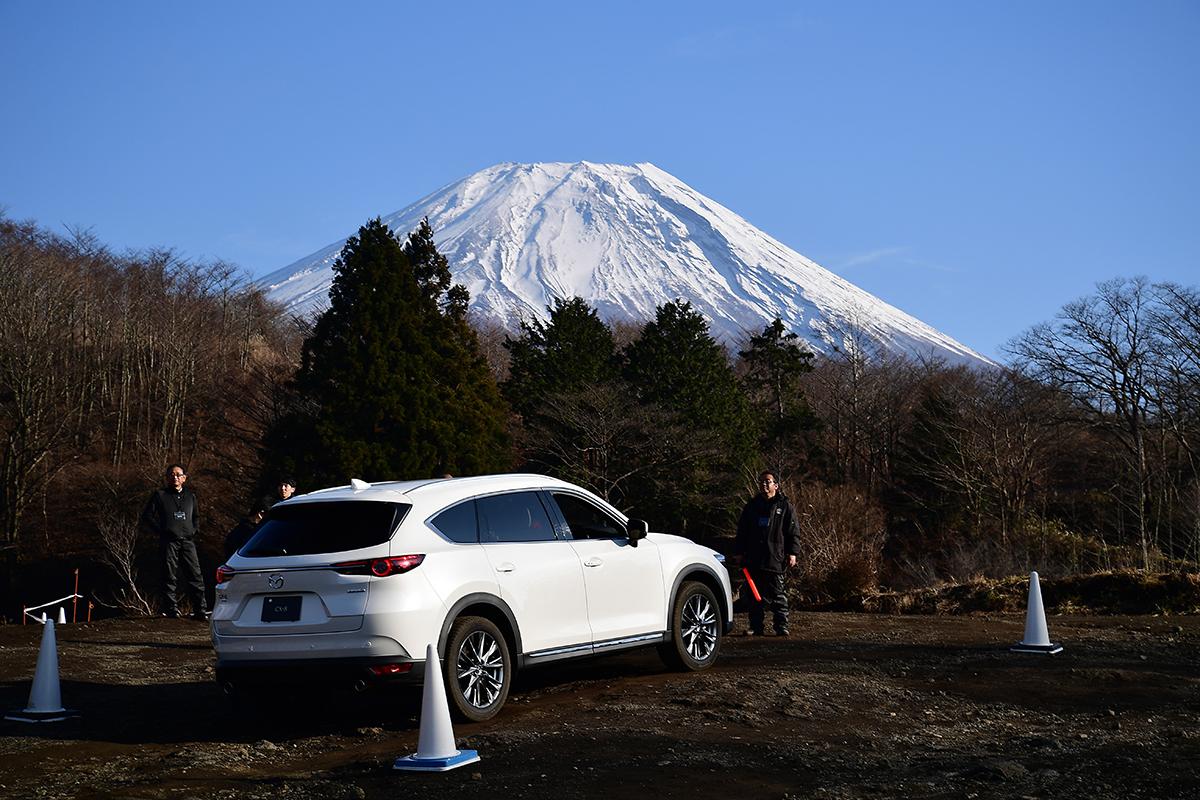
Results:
358 485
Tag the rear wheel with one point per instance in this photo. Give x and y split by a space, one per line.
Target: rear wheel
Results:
478 669
695 629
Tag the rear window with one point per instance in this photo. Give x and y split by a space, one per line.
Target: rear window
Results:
307 528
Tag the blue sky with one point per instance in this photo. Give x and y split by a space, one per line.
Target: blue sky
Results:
975 164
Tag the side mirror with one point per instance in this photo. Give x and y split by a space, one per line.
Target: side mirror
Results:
637 529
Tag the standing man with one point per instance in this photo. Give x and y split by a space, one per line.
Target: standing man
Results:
246 528
173 514
768 542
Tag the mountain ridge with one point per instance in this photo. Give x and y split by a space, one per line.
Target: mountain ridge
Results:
626 238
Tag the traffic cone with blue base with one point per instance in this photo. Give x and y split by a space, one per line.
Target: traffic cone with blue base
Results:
1037 637
45 700
436 751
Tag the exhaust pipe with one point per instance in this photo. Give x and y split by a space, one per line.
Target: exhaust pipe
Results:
359 686
228 688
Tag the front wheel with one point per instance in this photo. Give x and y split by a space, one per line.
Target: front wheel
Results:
478 669
695 629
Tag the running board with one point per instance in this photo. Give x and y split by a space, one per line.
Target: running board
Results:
594 648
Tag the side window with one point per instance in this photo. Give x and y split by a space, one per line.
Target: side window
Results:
586 520
516 517
457 523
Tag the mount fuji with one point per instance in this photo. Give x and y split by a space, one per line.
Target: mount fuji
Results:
626 239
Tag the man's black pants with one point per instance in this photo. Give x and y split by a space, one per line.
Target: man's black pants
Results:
177 553
774 597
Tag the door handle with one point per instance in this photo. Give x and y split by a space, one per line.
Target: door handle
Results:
593 562
505 567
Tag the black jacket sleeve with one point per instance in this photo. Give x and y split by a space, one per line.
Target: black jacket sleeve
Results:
150 520
791 532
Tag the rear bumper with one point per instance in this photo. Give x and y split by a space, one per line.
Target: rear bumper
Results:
349 672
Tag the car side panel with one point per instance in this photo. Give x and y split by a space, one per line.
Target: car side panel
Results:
542 582
625 594
450 571
680 556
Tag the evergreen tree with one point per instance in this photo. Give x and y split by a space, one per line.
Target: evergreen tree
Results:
676 364
392 383
774 363
572 351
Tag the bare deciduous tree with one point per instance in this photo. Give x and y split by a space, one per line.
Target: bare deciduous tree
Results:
119 540
1098 349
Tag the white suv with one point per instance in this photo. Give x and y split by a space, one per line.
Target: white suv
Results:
497 572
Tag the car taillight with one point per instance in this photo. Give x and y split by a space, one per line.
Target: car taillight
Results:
224 573
380 567
383 670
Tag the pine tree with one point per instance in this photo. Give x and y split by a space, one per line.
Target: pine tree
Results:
676 364
477 440
391 382
773 363
575 349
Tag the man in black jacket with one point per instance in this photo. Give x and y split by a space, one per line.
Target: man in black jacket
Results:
768 542
173 514
246 528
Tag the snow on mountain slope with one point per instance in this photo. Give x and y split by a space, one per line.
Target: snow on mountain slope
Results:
625 239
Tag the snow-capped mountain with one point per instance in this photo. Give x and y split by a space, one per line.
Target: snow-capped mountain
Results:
625 239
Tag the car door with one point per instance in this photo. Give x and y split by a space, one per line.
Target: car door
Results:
540 576
624 584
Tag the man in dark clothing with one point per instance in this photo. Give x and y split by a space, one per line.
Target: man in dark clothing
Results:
173 514
246 528
283 491
768 542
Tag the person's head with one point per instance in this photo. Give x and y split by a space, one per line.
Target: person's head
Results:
286 488
176 477
768 483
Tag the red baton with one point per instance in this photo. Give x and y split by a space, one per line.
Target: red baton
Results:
750 583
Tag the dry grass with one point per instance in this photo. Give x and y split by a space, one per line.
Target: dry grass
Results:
1124 592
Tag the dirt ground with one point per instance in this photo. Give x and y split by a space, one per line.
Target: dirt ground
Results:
852 706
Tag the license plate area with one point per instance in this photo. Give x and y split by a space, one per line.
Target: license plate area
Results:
280 608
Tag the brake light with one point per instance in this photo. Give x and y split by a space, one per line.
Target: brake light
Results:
383 670
380 567
224 573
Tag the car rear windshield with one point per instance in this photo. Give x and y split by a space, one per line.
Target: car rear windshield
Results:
334 527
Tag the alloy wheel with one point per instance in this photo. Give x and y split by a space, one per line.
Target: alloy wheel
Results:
480 669
699 627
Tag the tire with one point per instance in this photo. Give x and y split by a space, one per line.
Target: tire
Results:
695 629
478 669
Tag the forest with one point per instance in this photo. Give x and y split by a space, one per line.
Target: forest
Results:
1076 455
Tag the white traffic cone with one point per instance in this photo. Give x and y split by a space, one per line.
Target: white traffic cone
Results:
436 751
1037 637
45 701
62 615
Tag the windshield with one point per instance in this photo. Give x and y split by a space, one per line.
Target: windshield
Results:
334 527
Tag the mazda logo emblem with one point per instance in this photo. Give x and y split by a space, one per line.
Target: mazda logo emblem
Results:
275 581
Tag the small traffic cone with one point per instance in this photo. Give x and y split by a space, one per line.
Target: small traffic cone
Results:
45 701
1037 637
62 615
436 751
